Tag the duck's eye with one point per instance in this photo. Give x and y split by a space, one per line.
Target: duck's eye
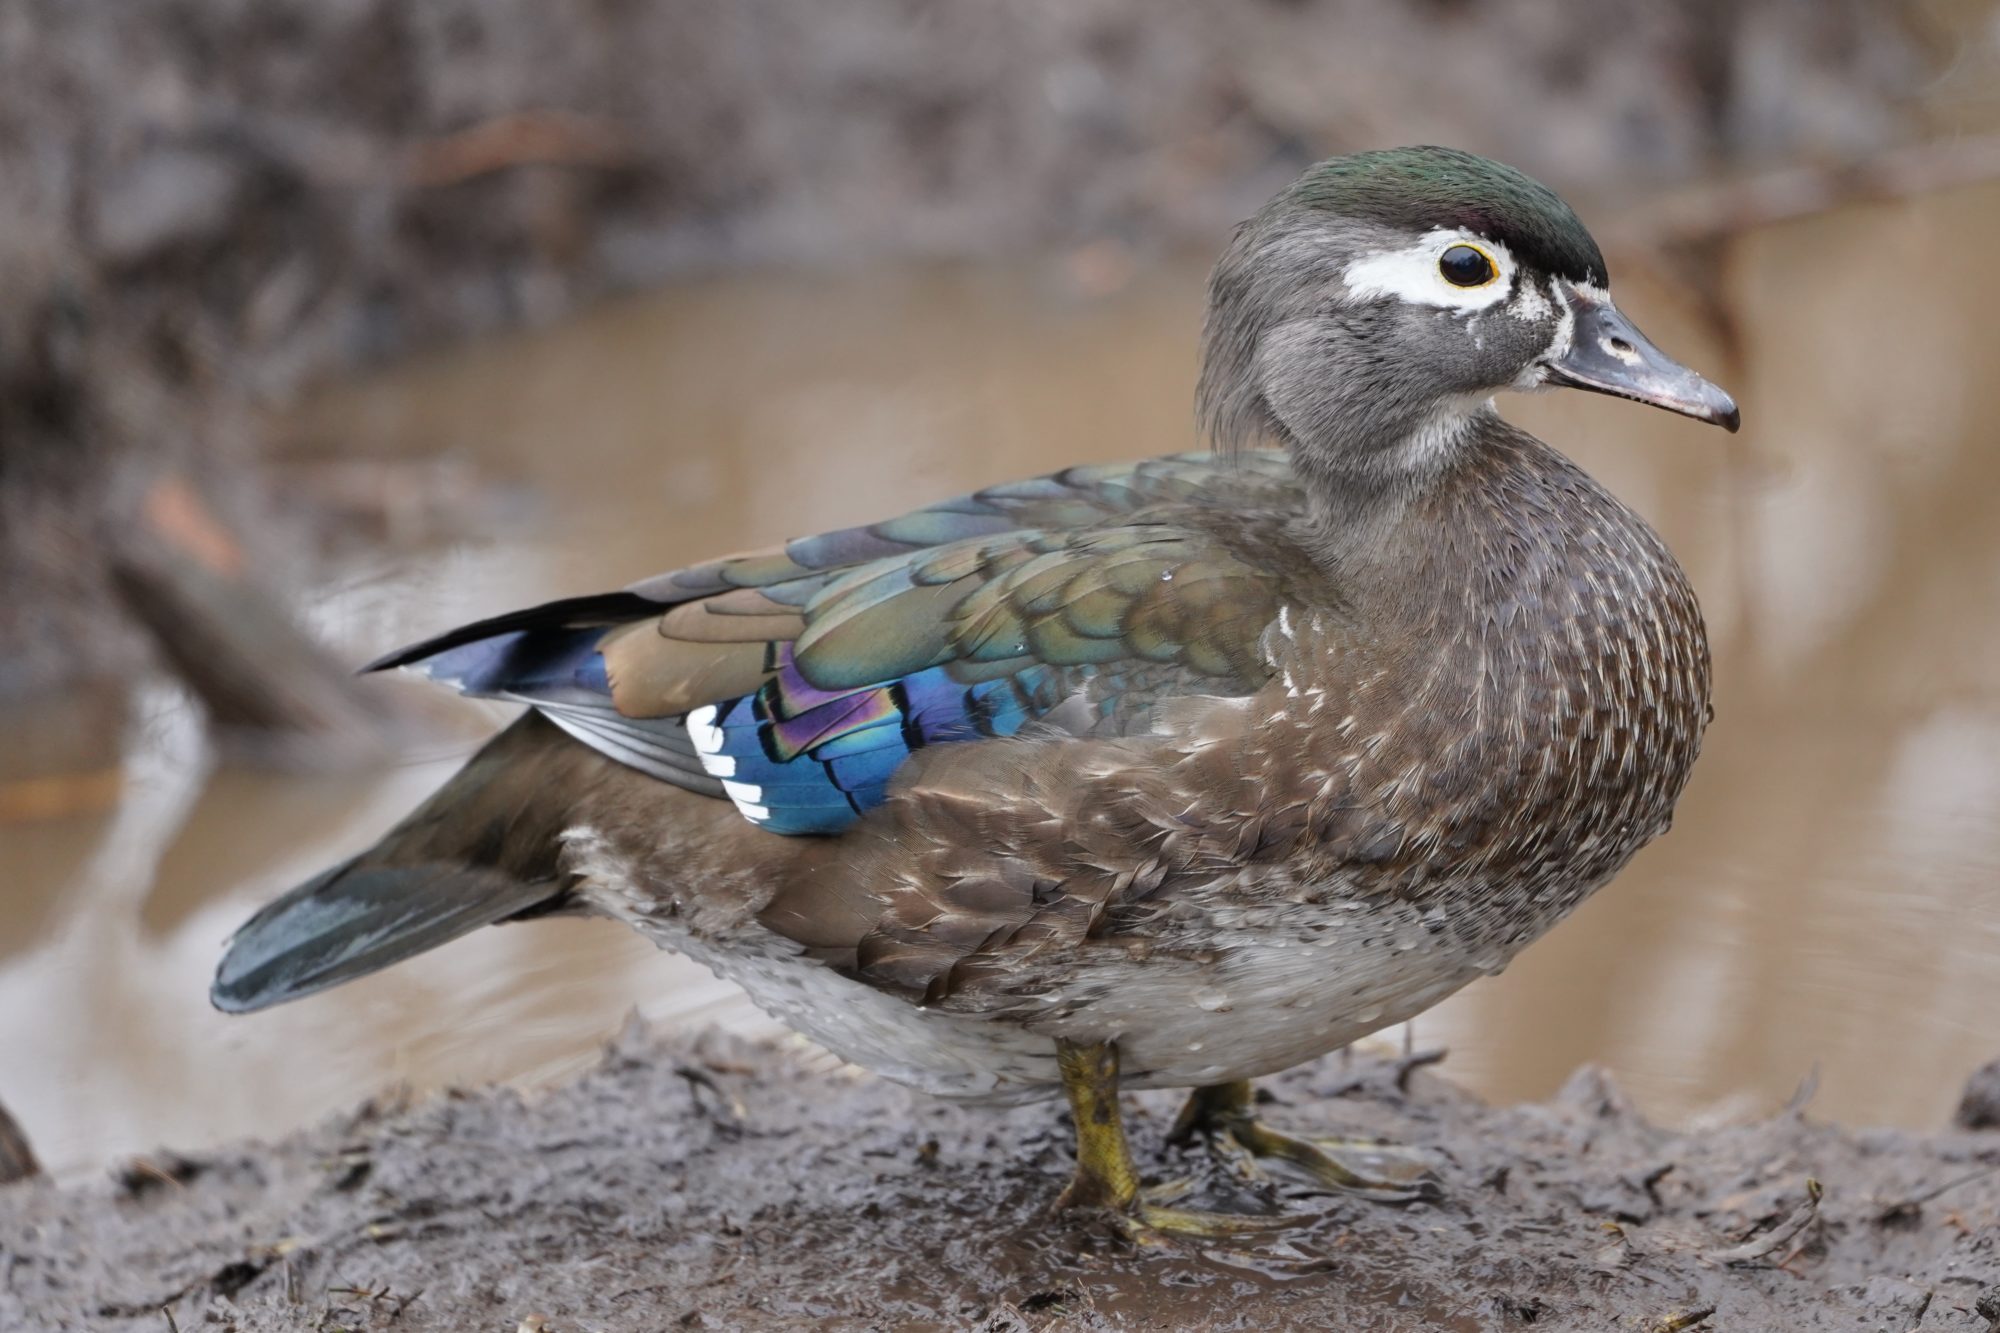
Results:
1466 266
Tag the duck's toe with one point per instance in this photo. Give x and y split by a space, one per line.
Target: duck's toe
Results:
1156 1218
1385 1172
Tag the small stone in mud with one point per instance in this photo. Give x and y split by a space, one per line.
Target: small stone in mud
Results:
17 1159
1979 1108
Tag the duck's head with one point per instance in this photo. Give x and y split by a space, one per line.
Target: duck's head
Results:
1371 308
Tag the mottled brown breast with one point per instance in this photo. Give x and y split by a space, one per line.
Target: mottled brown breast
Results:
1525 706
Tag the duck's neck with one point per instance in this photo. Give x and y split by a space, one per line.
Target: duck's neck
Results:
1361 495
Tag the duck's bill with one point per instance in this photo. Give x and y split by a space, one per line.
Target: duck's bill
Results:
1606 354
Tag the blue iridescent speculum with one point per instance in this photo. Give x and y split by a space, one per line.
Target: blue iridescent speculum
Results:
797 758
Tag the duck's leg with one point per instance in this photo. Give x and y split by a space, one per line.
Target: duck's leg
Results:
1225 1113
1105 1177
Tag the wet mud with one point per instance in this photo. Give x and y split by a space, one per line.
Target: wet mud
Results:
710 1182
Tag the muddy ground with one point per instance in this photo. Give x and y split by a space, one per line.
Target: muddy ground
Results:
709 1183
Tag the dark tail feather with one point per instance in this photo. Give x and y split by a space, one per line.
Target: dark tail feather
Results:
479 851
356 919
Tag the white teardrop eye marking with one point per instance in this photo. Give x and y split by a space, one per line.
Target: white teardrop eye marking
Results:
1416 273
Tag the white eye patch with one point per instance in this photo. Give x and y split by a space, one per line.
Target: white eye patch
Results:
1412 274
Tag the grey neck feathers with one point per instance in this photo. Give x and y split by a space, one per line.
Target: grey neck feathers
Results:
1360 513
1364 440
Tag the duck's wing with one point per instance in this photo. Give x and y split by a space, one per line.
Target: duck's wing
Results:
796 681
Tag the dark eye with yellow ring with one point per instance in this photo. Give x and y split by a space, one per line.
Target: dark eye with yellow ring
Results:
1466 266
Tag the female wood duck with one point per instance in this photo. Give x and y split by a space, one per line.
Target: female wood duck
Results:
1172 773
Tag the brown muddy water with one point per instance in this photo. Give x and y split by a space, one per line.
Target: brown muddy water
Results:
1829 898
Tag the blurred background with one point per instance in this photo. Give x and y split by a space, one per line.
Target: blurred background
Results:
326 324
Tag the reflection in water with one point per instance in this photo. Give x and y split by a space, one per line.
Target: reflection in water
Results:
1825 899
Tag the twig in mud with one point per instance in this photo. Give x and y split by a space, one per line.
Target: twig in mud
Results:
1616 1252
1904 1210
1651 1183
1759 1246
1412 1061
699 1081
378 1297
519 138
143 1173
1370 1074
1803 1094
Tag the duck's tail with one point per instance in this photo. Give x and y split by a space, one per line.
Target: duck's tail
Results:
482 849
